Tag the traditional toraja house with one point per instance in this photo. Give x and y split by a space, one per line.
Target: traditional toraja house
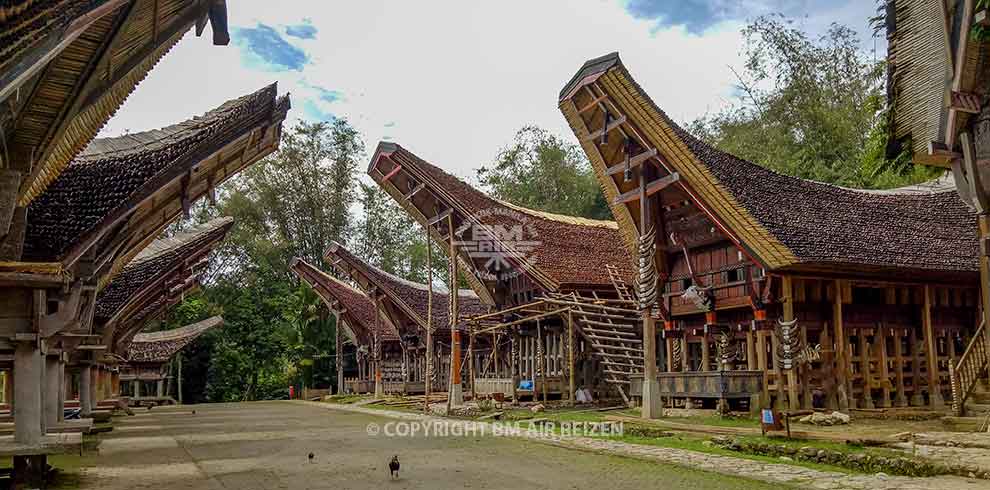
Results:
104 208
157 278
149 358
358 320
65 68
426 361
545 275
800 292
937 97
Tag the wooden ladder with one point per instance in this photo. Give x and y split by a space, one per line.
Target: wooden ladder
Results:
620 285
613 336
965 374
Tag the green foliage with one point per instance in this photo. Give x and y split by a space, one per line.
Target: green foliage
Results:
811 108
292 203
539 170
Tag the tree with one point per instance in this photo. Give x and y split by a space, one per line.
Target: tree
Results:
540 170
296 201
811 108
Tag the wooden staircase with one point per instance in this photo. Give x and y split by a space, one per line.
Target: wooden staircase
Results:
969 371
614 333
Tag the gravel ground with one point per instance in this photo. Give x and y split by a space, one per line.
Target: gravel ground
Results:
254 446
781 474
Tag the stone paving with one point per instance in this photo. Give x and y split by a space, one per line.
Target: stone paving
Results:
727 465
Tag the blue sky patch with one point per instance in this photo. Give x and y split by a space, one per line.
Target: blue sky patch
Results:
697 16
306 30
263 48
312 111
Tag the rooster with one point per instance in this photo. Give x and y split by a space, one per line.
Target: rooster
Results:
393 467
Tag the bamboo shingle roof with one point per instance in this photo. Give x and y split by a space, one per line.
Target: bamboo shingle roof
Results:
159 347
173 256
358 309
114 176
411 298
66 66
789 223
569 252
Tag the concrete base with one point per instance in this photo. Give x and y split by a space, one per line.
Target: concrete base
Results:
652 403
456 394
917 400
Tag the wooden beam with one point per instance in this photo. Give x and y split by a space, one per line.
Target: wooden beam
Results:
440 216
964 102
619 121
633 162
931 348
594 103
651 188
391 173
409 195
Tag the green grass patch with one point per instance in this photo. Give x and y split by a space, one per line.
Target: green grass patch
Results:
346 399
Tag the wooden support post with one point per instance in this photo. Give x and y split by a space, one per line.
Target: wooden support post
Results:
571 385
881 339
787 286
917 399
829 369
470 356
178 376
901 397
706 360
685 364
455 395
750 350
806 372
670 354
777 373
428 374
931 347
842 361
339 353
864 370
495 354
761 362
514 363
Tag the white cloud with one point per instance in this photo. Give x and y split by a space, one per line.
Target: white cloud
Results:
452 80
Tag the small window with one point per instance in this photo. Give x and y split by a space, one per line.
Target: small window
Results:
736 275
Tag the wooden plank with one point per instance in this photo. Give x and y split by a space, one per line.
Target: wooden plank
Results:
440 217
612 125
391 173
594 103
652 188
413 192
787 286
633 162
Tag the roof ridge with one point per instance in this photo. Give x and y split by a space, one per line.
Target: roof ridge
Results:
153 138
180 239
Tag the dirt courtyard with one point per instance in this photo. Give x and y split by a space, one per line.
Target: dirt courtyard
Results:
265 446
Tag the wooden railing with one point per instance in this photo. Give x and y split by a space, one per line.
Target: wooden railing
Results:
965 374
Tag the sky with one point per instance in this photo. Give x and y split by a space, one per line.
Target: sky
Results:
452 81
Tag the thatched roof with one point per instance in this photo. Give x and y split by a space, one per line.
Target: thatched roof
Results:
409 297
789 223
114 176
358 311
66 66
159 347
568 252
165 262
